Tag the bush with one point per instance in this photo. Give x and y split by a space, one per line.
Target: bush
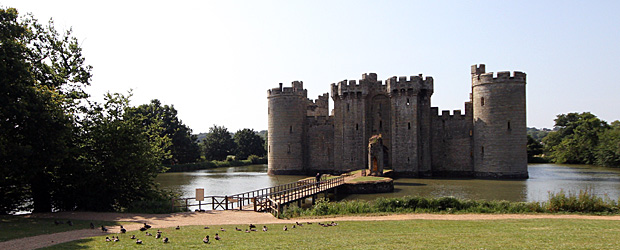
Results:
254 159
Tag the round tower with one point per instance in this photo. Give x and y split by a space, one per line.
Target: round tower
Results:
499 118
285 138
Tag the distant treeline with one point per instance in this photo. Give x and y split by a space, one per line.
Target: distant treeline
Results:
214 164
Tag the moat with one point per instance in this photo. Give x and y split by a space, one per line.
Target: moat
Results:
544 178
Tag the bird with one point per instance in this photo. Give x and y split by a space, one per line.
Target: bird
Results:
333 224
264 228
222 229
133 237
285 228
148 234
252 226
217 237
299 224
123 230
237 229
206 239
293 226
206 227
177 228
247 231
69 223
116 239
138 241
92 226
309 223
107 239
253 229
57 222
147 226
143 229
158 235
104 229
165 240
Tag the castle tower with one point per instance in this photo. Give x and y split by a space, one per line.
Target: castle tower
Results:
499 124
286 129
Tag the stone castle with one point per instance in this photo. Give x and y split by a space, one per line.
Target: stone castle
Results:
488 140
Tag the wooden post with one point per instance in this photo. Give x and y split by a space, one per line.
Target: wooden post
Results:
226 200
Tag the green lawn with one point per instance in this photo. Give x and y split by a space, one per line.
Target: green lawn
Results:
412 234
14 227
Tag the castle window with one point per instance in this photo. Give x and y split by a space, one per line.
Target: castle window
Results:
508 125
482 151
409 125
289 149
407 101
347 107
290 130
380 124
481 101
357 127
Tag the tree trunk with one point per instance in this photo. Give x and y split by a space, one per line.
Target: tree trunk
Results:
41 196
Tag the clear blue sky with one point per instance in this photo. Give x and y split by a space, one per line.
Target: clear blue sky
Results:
215 60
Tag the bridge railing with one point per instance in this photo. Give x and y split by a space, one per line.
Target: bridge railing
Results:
258 198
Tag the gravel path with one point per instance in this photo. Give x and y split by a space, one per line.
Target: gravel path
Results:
235 217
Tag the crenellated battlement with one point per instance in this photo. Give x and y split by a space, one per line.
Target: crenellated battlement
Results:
448 115
319 120
499 77
297 88
412 83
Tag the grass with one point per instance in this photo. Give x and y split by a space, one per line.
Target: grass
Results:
410 234
14 227
367 178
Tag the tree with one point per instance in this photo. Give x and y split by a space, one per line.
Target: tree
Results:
218 144
576 138
43 73
533 148
248 143
608 151
184 147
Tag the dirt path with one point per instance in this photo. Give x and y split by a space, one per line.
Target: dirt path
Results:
235 217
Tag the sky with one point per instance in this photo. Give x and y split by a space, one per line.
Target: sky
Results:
215 60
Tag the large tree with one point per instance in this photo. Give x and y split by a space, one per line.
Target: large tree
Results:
576 138
218 144
248 143
43 73
184 147
608 151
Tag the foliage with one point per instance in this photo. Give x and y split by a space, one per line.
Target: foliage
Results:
576 138
43 73
534 148
248 143
538 134
608 151
584 202
255 159
218 144
184 147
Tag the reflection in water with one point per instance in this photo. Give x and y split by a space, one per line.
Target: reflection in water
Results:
544 178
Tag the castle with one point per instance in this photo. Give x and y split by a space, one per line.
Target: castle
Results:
488 140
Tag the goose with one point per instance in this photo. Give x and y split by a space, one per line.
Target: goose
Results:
147 225
178 227
104 229
123 230
165 240
107 239
285 228
69 223
92 226
116 239
158 235
264 228
57 222
222 229
138 241
217 237
237 229
206 239
148 234
206 227
143 229
133 237
252 226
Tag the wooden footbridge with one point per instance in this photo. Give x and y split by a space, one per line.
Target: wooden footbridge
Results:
271 199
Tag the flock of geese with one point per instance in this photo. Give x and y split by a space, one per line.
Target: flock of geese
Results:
206 239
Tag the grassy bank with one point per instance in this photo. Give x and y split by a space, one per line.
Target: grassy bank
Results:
14 227
412 234
212 164
583 202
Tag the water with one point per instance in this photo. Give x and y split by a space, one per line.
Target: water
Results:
544 178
